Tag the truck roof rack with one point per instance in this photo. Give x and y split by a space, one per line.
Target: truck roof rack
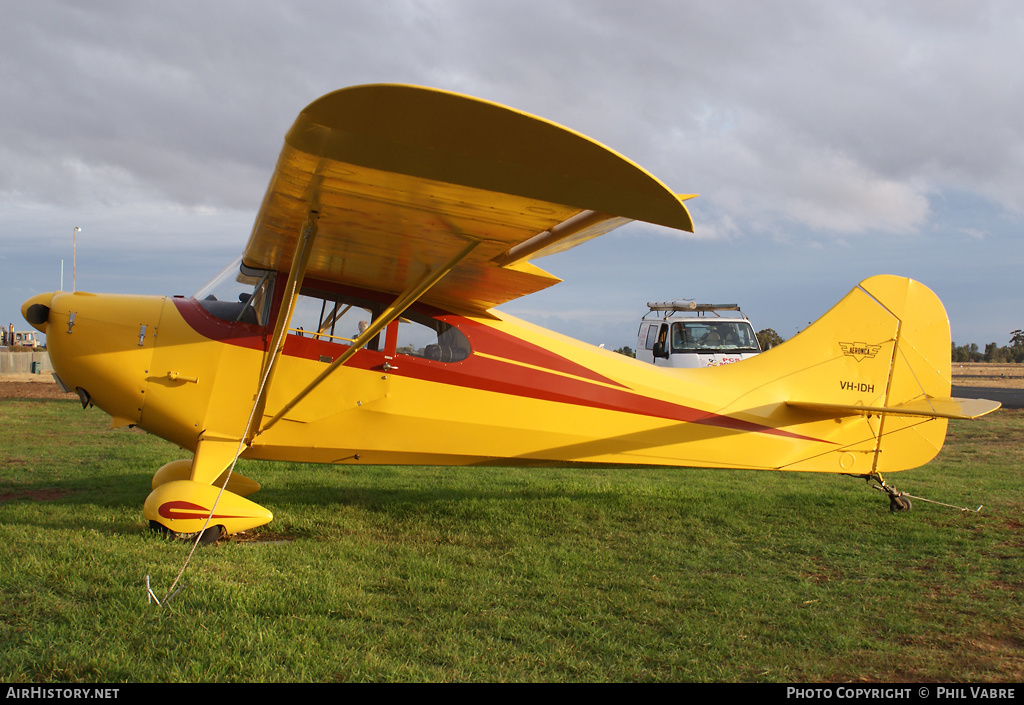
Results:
686 305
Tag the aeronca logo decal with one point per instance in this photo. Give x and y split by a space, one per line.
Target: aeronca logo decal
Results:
859 351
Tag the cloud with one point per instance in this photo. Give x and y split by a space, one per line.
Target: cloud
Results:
799 123
884 102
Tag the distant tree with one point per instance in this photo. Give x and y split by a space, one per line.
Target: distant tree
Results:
973 355
1014 352
1016 349
768 338
627 351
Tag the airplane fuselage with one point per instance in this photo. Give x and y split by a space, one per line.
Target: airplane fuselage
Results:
518 394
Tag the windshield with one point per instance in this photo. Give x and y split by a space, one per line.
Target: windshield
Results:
239 293
711 336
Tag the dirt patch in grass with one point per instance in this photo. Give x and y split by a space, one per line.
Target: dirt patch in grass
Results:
246 537
31 387
38 495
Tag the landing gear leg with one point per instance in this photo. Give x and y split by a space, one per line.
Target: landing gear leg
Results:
898 501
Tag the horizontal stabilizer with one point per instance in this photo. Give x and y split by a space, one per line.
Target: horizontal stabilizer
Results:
934 407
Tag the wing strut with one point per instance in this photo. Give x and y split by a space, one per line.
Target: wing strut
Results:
396 309
578 223
300 260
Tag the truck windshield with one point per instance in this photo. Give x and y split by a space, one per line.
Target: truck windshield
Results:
709 336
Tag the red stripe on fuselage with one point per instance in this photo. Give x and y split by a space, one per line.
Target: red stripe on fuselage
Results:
244 335
485 339
549 377
488 374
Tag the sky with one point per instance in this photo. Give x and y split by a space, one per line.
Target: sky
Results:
829 141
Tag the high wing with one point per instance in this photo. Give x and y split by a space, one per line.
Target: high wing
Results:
401 178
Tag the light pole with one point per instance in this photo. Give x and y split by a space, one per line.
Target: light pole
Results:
74 258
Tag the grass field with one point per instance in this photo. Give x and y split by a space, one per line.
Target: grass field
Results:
474 574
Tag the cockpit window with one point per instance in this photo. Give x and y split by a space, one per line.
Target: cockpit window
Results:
340 318
239 293
333 318
422 336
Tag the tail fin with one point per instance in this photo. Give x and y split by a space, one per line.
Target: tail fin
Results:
872 376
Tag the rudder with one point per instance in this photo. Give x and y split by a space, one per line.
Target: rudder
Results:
919 370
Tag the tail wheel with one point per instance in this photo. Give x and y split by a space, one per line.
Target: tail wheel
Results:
899 503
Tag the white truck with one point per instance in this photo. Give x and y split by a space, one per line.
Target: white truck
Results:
683 333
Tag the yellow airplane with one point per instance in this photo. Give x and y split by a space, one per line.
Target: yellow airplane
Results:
360 327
